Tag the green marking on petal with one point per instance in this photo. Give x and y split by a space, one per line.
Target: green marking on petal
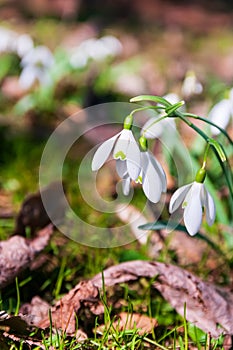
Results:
120 155
139 180
184 205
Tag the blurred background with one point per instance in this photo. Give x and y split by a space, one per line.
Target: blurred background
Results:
57 57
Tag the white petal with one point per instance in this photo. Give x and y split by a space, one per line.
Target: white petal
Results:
193 209
121 167
24 44
102 153
133 159
121 145
172 98
210 207
126 185
158 167
144 162
27 77
220 115
178 198
151 184
44 77
151 129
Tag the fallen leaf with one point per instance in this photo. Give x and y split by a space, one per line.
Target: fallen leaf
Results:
63 314
17 253
207 306
143 324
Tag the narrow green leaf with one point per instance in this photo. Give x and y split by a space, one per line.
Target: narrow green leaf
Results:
161 225
156 99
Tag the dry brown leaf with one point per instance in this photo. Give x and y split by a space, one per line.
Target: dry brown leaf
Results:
143 324
35 311
208 306
17 253
64 312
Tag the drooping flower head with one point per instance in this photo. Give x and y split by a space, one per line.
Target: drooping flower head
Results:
152 176
124 148
222 113
192 198
36 64
191 85
151 129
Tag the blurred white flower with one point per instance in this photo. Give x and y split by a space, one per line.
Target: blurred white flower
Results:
95 50
11 41
24 44
125 148
222 113
36 64
8 40
151 129
191 86
192 198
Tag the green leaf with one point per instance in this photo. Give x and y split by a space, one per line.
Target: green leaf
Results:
196 334
161 225
150 98
130 254
9 65
24 104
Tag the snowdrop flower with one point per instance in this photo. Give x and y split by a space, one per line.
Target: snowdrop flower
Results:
124 147
121 168
24 44
151 129
95 50
191 86
152 176
192 198
7 40
222 113
36 64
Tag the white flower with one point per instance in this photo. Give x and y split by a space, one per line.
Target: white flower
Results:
152 177
191 86
222 113
7 40
24 44
125 148
95 50
36 64
151 129
121 168
192 198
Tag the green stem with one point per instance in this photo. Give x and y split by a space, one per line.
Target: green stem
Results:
18 297
210 123
145 108
205 155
